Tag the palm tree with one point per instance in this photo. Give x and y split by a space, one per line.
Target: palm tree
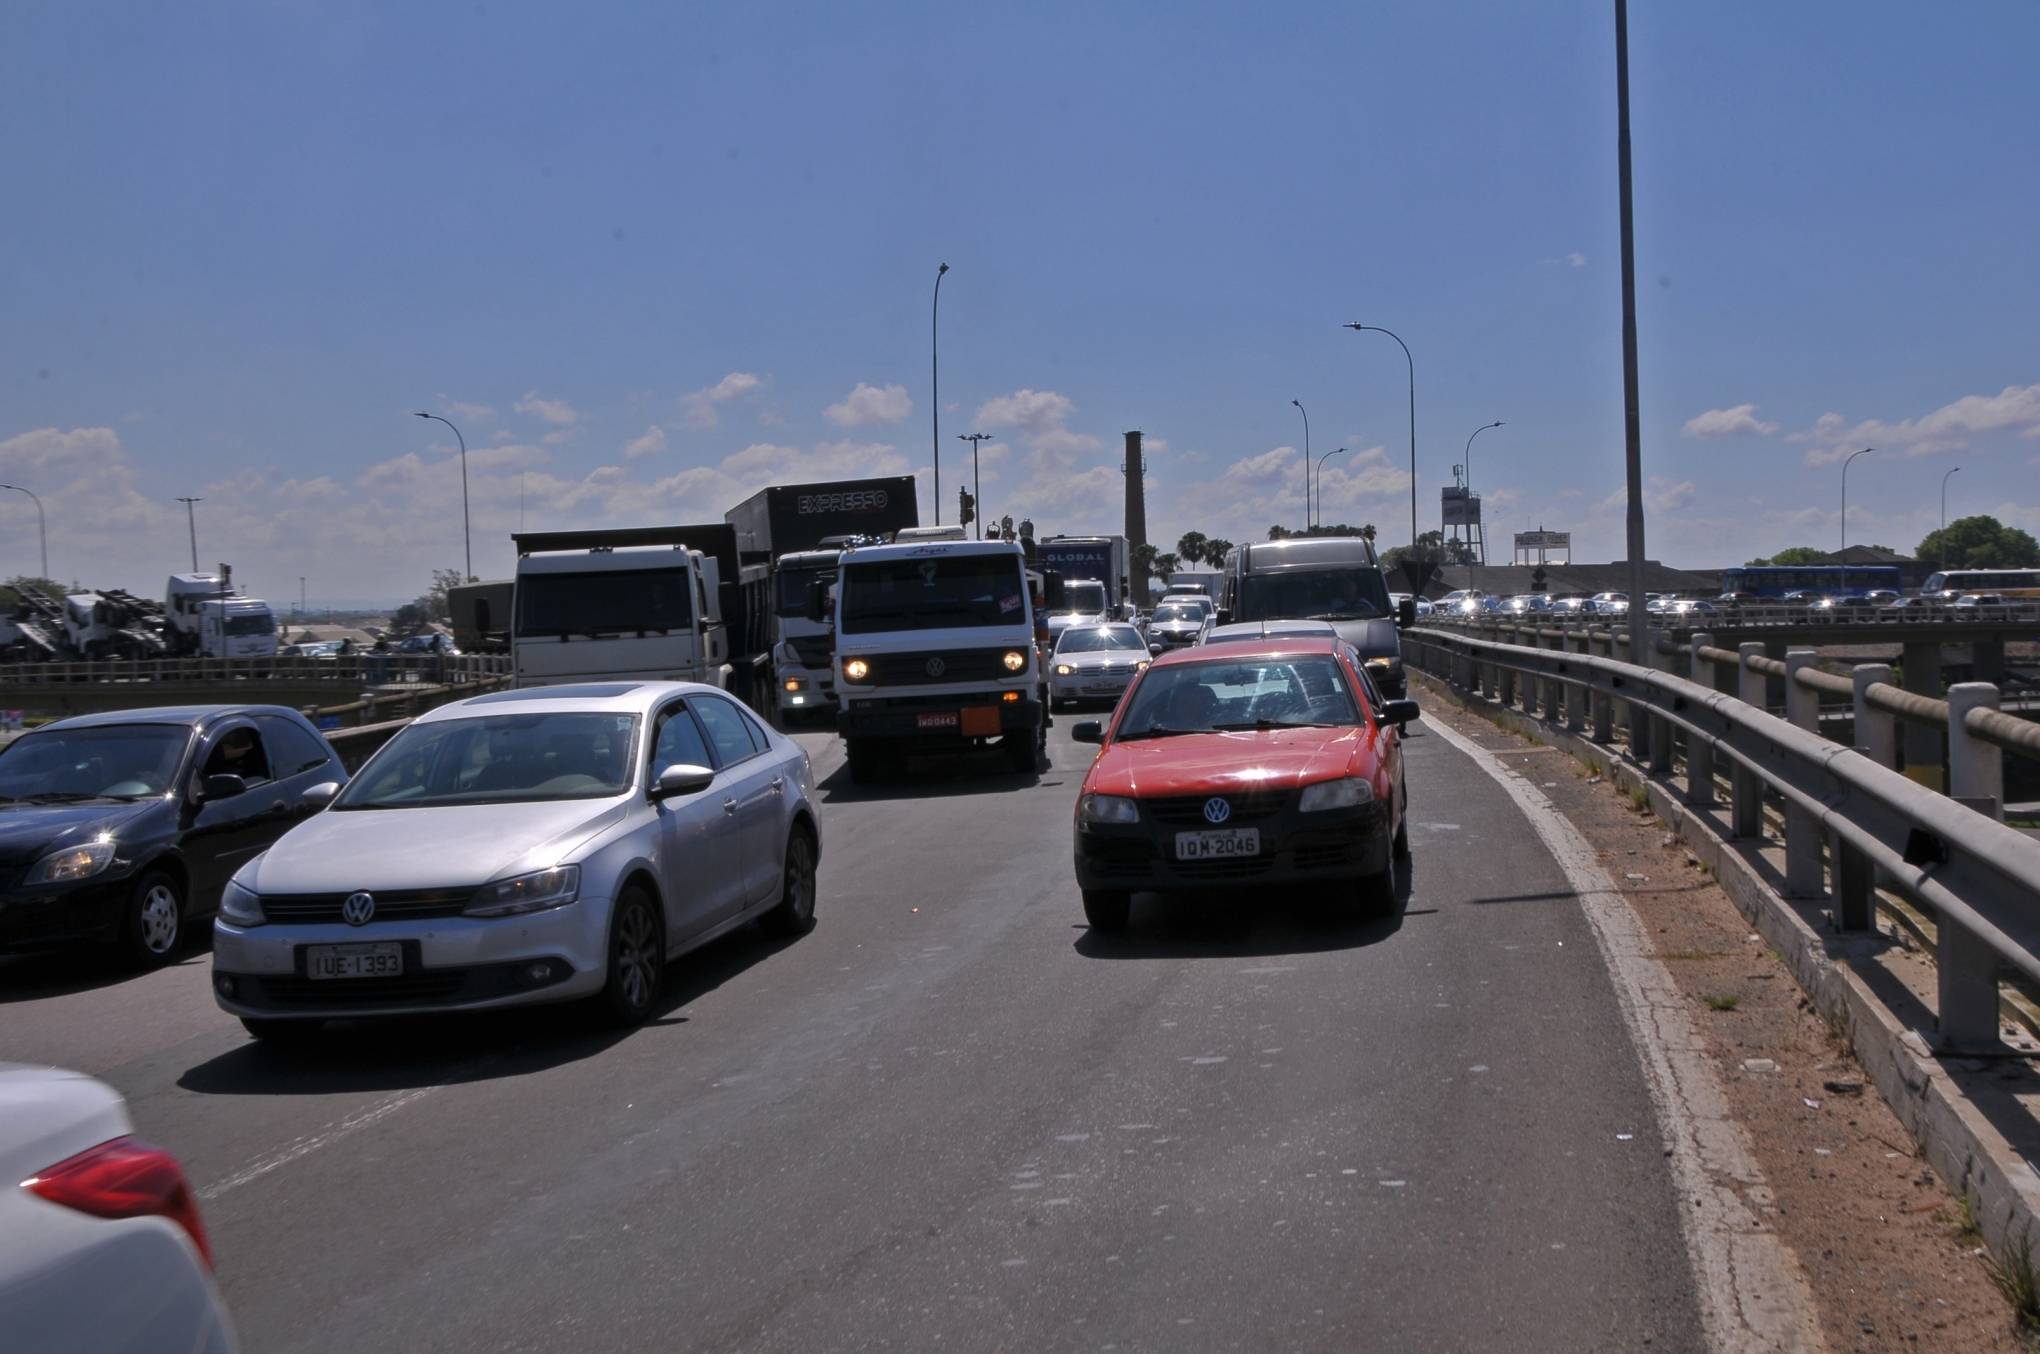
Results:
1165 566
1192 547
1215 551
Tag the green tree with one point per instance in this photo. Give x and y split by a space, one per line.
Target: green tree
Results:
10 592
1215 551
1190 546
1792 554
1980 542
1165 566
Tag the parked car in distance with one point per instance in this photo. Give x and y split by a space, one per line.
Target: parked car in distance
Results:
1178 623
1096 662
1571 606
1527 604
521 847
1609 603
1728 599
1246 763
1686 607
123 828
1969 601
442 645
1424 605
101 1243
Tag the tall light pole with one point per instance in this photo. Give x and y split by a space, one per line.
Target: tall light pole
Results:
1416 578
935 385
1845 491
43 531
977 484
1632 405
1942 561
301 606
467 539
191 520
1306 461
1469 479
1321 485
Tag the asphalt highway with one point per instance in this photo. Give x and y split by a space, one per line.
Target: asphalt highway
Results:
951 1117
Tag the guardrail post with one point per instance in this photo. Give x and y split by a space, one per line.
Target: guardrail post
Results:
1660 727
1968 1002
1921 661
1599 644
1700 752
1576 698
1803 834
1552 693
1976 769
1746 804
1876 731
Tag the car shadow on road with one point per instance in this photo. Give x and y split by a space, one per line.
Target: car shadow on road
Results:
397 1053
61 973
1248 923
936 776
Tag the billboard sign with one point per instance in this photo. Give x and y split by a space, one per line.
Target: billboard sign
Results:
1544 540
1461 507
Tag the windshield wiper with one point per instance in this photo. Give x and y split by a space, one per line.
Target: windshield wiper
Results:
1260 724
58 797
1157 731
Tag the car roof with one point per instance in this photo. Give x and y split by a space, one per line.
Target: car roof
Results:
185 715
596 697
1268 630
1273 646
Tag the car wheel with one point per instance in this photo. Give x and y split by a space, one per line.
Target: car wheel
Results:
795 914
1107 909
1402 838
281 1031
154 922
1377 893
863 760
637 960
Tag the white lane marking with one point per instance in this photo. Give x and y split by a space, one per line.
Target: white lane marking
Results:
325 1137
1753 1294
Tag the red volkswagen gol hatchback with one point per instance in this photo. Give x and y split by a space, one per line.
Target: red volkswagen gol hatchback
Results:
1251 762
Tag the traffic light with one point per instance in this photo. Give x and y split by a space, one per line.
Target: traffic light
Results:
966 507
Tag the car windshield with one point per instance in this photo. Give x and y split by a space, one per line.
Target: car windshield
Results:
1083 598
791 598
1310 594
496 759
250 623
1238 694
116 761
1178 613
610 602
1098 639
933 592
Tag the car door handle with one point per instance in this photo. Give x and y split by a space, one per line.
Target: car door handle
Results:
278 809
778 784
729 806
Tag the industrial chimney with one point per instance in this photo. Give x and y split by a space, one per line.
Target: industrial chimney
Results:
1136 518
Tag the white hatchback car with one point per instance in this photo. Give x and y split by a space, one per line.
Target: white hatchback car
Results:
523 847
101 1246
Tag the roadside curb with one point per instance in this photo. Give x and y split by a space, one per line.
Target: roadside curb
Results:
1954 1136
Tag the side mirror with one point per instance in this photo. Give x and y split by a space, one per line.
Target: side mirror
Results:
682 778
1400 712
219 787
1088 731
1154 648
1224 616
320 795
1406 613
818 600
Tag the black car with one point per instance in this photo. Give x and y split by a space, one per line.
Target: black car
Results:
122 827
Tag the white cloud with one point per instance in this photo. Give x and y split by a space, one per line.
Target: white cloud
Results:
1576 259
2015 409
1030 411
700 405
1739 421
866 405
556 412
650 443
473 413
1659 495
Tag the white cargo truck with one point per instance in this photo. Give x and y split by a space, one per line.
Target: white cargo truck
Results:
204 616
637 604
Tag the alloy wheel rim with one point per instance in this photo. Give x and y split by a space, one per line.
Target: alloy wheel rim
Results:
159 919
634 957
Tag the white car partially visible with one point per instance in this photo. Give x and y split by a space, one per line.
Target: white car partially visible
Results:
101 1246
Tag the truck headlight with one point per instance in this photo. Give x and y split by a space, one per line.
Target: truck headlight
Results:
1015 660
1349 793
240 906
856 670
533 892
1108 809
72 863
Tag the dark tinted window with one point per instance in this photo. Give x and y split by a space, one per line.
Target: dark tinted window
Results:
933 592
292 748
680 742
618 602
727 730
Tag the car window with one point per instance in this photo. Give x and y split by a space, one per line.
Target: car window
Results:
759 738
295 748
726 731
238 751
679 741
497 758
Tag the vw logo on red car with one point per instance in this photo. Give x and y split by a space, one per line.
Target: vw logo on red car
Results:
1217 810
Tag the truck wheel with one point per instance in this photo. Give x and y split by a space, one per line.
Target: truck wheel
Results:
1023 750
863 760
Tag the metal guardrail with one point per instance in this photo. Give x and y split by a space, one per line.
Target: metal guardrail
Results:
1744 615
366 669
1850 822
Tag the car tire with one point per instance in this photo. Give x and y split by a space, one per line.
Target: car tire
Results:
1376 893
281 1031
1107 909
637 960
1401 844
152 925
795 913
863 759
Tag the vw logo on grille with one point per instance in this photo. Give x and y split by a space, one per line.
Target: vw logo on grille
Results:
359 909
1217 810
936 667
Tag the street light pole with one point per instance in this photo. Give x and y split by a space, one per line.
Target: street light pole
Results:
935 385
467 538
41 527
1632 404
1469 478
1321 483
1845 492
191 520
977 483
1306 461
1942 561
1358 327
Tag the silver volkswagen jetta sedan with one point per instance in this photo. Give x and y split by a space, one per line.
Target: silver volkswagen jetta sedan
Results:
522 847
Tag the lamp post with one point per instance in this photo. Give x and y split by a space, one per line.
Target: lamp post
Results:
1357 327
977 484
191 521
1845 491
467 539
1306 461
1632 400
1321 485
1943 552
935 385
1469 478
43 531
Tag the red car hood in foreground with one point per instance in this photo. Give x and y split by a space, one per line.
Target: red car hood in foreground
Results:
1205 763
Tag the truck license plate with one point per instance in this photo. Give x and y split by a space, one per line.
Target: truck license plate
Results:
940 719
369 959
1222 845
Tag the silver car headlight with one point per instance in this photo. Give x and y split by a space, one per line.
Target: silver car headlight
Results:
1064 670
241 906
72 863
1108 809
533 892
1349 793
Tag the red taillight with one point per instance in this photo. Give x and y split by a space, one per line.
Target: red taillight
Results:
124 1178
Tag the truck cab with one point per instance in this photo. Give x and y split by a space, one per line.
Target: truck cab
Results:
936 648
803 674
1337 579
587 611
1083 603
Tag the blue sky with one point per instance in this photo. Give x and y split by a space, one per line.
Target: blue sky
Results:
651 258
